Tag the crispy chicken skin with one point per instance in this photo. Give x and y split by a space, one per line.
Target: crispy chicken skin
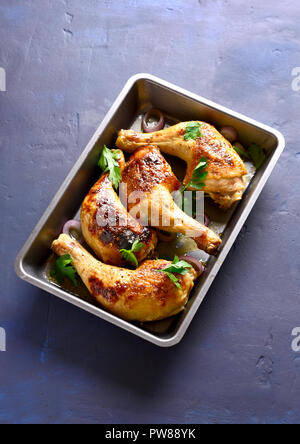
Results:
147 172
107 227
141 295
225 181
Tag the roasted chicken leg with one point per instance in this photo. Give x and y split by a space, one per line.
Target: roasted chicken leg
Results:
107 227
145 294
225 181
150 182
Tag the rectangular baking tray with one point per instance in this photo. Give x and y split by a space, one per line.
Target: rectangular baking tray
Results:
142 92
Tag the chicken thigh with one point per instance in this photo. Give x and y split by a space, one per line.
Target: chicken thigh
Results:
145 294
150 182
225 181
107 227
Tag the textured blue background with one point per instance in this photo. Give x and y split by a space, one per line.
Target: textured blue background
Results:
66 60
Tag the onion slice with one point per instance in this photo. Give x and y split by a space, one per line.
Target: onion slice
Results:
73 229
206 220
165 236
198 266
154 115
229 133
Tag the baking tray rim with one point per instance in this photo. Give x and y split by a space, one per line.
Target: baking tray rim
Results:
62 294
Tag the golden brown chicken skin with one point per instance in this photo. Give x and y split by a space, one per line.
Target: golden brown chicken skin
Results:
225 181
107 227
145 294
148 173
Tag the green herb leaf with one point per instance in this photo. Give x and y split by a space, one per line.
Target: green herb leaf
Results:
173 279
257 155
62 269
177 266
129 255
109 162
137 246
193 131
198 177
242 153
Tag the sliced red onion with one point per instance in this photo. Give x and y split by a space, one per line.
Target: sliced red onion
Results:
165 236
156 116
243 150
198 266
73 229
206 220
229 133
240 146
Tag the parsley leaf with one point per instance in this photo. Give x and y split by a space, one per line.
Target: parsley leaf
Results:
62 269
177 266
173 279
109 162
129 255
254 153
242 153
137 246
257 155
198 177
193 131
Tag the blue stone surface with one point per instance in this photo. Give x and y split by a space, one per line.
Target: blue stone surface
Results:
66 60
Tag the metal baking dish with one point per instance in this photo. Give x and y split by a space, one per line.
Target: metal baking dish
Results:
140 93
